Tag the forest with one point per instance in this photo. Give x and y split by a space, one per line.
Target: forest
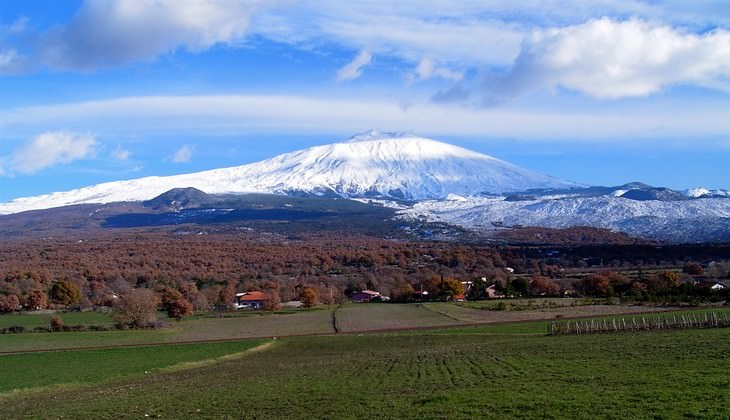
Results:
207 270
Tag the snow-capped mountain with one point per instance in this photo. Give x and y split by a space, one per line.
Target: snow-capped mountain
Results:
698 220
701 192
373 164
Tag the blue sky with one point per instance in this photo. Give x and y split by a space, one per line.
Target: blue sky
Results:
601 92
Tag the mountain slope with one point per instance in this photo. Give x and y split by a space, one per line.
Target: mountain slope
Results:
699 220
374 164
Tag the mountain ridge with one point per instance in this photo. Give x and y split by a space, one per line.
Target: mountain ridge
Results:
374 164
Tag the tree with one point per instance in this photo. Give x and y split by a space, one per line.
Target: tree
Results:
273 301
179 308
36 300
9 303
451 287
596 285
664 282
137 308
65 293
543 286
693 269
403 293
309 297
478 289
520 286
175 304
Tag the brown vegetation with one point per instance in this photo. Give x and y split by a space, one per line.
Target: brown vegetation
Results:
207 270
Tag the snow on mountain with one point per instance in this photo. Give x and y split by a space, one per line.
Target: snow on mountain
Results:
701 192
697 192
372 164
676 221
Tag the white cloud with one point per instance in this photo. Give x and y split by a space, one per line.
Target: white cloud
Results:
606 57
121 154
51 148
233 114
407 30
183 154
353 69
427 69
11 62
114 32
610 59
18 25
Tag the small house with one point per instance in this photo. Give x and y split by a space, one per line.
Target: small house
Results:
365 296
251 300
714 286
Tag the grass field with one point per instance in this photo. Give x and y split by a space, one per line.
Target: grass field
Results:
350 318
22 371
30 321
470 372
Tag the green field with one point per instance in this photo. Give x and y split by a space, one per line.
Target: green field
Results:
30 321
491 371
32 370
349 318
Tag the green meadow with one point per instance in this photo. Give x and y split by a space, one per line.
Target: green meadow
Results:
487 371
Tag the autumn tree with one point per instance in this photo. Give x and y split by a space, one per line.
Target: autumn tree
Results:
9 303
175 304
664 281
543 286
309 297
693 269
403 292
36 300
273 298
179 308
449 288
137 308
64 293
596 285
227 294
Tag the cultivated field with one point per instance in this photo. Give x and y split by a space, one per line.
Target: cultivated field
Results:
348 318
470 372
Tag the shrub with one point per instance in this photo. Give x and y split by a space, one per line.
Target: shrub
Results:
56 323
137 309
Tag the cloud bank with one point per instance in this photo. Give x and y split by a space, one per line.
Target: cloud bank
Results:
114 32
606 49
227 114
609 59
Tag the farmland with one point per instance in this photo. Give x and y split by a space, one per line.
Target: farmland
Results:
349 318
497 370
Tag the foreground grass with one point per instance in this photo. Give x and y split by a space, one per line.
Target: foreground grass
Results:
23 371
456 373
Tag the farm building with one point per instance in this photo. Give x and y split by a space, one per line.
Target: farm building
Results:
712 285
251 300
365 296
